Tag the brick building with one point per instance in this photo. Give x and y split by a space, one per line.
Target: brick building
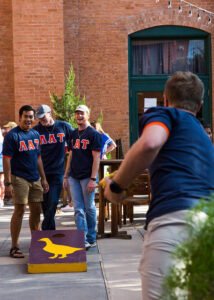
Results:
122 52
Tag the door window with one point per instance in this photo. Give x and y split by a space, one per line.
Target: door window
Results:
159 57
146 100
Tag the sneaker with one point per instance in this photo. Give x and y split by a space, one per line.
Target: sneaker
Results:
87 246
67 208
94 244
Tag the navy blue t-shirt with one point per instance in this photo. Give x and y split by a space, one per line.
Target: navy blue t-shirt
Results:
23 149
83 143
183 171
52 141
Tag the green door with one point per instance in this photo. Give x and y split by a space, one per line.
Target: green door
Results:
140 91
151 92
180 49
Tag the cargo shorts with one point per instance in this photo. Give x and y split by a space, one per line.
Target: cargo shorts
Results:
25 192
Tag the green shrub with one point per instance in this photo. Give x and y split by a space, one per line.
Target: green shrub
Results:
192 277
64 106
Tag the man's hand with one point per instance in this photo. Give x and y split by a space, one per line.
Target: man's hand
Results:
8 191
113 197
91 186
45 185
65 183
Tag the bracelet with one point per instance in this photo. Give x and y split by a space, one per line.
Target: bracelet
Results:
92 178
7 183
115 187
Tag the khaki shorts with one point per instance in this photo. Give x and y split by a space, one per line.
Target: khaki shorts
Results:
25 191
161 239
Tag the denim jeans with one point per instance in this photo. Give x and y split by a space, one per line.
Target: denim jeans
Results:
84 208
50 200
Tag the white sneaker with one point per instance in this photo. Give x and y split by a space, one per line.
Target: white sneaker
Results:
87 246
67 208
94 244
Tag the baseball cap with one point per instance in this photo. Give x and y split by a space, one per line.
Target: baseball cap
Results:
42 110
82 108
10 124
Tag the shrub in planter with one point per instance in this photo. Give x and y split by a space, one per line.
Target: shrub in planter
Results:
192 277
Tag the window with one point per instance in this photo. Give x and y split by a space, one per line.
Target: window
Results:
158 57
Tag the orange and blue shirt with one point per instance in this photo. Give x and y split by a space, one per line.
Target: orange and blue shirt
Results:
183 172
23 149
53 142
83 143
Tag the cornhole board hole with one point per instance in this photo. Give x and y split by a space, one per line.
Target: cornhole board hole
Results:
55 251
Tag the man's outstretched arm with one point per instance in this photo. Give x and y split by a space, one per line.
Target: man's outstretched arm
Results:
138 158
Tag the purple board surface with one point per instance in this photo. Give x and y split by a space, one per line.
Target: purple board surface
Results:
64 246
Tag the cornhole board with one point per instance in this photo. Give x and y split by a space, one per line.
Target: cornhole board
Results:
55 251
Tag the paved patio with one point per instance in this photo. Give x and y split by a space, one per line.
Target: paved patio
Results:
112 267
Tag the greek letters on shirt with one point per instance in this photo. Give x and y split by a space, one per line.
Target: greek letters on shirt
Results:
28 145
81 144
51 138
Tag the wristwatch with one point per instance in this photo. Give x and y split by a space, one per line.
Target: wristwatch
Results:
7 183
92 178
115 187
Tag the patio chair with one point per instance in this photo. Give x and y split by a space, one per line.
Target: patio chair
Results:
138 193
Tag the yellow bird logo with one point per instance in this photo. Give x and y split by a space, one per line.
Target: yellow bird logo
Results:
59 251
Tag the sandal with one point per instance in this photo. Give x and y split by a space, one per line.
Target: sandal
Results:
16 253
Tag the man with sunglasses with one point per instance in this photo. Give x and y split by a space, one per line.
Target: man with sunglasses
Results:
54 135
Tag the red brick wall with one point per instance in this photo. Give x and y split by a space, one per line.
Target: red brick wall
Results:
6 63
71 36
97 43
38 40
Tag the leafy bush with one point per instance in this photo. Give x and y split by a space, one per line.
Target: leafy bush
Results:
64 106
192 277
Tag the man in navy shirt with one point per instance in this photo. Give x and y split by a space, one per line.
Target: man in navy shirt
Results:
81 171
180 158
54 135
22 169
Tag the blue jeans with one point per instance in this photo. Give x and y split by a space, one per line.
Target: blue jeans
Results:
84 208
50 201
